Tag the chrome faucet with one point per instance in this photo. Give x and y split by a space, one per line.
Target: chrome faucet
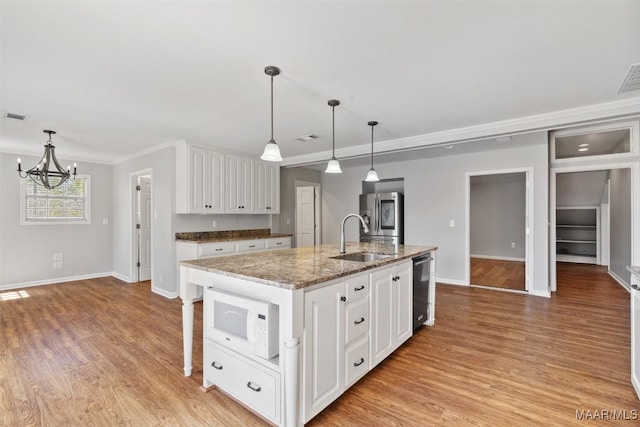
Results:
364 226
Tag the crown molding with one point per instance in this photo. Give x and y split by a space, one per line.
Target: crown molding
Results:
547 121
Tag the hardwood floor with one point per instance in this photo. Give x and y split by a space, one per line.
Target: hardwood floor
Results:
103 353
498 273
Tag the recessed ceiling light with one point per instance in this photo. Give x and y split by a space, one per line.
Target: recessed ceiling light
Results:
584 145
583 149
307 137
448 147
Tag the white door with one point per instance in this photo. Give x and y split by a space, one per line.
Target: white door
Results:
323 348
305 216
144 228
635 344
382 308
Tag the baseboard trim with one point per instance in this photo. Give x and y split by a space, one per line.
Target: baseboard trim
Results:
455 282
538 293
501 258
163 293
54 281
620 281
122 277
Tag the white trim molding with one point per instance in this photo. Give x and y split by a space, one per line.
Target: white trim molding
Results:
500 258
454 282
620 280
11 286
166 294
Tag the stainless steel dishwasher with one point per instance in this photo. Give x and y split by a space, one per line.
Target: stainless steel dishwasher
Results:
421 285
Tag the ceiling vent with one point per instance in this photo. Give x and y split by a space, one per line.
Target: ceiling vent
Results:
15 116
307 137
632 81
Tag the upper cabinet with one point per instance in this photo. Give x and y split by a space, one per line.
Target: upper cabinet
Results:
267 187
239 189
199 180
213 182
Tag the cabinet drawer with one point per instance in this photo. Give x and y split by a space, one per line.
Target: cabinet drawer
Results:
357 320
250 245
253 385
357 363
279 243
357 287
213 249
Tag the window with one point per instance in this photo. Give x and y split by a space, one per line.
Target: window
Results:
67 204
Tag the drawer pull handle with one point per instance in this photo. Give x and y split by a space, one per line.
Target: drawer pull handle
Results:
359 289
218 249
252 246
343 299
253 388
219 368
359 363
357 322
278 243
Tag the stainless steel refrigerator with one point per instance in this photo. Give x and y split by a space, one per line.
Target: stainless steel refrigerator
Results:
383 213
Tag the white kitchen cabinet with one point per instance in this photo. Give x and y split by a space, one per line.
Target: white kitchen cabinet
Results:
323 347
267 187
336 341
239 186
391 310
199 180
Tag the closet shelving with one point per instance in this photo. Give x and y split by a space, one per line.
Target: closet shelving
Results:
577 234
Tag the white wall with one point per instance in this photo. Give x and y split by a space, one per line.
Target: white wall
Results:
435 194
497 216
166 222
27 250
620 223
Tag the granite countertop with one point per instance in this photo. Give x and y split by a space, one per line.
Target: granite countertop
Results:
227 235
301 267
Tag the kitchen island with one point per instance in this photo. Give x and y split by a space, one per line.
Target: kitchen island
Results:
337 320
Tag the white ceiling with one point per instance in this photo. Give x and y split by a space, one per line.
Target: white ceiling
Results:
121 77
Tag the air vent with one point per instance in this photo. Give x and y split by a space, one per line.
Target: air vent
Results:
632 81
307 137
15 116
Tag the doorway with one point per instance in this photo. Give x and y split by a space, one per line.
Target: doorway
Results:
141 254
307 219
498 236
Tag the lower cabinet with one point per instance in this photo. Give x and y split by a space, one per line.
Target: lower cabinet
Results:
336 341
391 309
254 385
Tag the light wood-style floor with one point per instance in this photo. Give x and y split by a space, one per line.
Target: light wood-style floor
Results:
498 273
104 353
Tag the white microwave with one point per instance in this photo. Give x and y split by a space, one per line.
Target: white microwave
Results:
241 323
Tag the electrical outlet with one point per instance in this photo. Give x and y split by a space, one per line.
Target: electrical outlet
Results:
452 223
513 245
288 221
105 221
57 265
57 257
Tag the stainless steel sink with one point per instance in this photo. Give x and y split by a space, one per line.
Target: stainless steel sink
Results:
361 257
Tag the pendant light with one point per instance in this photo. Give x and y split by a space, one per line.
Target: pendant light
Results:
372 175
333 166
48 172
271 150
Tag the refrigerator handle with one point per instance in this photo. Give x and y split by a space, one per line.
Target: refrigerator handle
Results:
377 213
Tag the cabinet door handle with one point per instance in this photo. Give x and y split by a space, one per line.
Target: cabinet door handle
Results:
359 363
359 289
357 322
218 367
252 387
252 246
278 243
343 299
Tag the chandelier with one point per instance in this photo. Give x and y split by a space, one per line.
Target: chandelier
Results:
48 171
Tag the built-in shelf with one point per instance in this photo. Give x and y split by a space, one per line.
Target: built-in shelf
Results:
577 231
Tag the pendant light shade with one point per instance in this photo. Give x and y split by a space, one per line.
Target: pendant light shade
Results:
372 175
333 166
271 150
